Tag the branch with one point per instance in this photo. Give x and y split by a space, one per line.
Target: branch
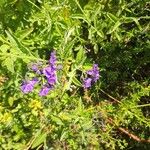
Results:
136 138
110 96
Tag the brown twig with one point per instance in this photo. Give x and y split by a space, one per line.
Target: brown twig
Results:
135 137
114 99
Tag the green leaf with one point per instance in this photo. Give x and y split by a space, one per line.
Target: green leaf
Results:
112 17
137 22
24 33
39 140
3 39
9 63
16 43
118 36
57 120
87 66
78 16
80 55
64 135
130 19
76 81
11 101
117 24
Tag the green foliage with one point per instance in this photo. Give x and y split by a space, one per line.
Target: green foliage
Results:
111 33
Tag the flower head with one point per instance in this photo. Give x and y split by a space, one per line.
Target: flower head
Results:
45 89
36 67
28 86
93 76
50 74
87 83
50 71
52 80
52 60
94 72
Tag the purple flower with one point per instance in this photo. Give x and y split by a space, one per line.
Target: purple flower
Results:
87 82
50 71
93 76
28 86
50 74
52 60
94 72
52 80
36 67
45 89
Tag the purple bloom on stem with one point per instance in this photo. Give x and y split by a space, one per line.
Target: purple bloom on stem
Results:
87 82
50 74
94 72
28 86
48 71
44 91
52 60
93 76
35 68
51 80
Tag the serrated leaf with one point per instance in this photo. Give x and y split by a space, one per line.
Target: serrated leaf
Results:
39 140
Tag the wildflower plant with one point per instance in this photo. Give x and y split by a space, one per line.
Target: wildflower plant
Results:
74 74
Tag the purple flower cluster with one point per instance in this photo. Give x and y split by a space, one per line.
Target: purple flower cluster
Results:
49 73
93 76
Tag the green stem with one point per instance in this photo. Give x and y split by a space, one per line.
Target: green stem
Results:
144 105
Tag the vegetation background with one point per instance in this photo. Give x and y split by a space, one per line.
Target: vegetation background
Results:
114 113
